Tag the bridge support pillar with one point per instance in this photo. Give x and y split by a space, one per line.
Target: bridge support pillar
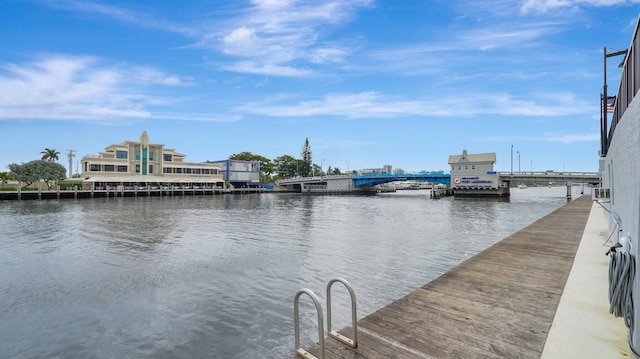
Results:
569 190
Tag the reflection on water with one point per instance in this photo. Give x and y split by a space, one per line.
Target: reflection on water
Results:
215 276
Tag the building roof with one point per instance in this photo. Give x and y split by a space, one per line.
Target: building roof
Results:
472 158
153 179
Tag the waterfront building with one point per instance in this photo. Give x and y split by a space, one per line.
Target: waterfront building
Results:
142 163
240 173
473 175
384 169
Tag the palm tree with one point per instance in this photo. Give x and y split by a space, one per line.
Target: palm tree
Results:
50 155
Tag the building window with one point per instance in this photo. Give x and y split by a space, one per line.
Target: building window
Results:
150 168
150 155
137 168
178 170
168 157
144 161
187 170
166 170
95 167
121 155
109 168
123 169
137 155
473 167
466 167
459 167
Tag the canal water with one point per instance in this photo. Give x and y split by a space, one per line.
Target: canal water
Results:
215 276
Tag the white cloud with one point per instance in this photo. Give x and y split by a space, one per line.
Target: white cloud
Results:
139 18
499 36
150 76
274 33
327 54
572 138
272 3
267 69
375 105
239 41
543 6
196 117
79 88
54 80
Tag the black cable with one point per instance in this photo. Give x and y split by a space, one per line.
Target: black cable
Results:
621 275
622 268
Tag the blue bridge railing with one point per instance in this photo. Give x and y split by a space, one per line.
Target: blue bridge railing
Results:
372 179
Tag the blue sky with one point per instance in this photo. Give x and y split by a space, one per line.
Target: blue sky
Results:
369 83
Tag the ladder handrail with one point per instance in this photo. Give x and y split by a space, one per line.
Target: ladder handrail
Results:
299 351
353 342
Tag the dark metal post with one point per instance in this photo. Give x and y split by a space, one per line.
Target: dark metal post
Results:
603 110
604 101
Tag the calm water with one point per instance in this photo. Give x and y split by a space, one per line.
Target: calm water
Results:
215 276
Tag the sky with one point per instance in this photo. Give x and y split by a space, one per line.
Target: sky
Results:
368 82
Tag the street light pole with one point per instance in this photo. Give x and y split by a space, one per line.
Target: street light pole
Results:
519 162
511 159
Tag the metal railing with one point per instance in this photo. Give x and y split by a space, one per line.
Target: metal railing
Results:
296 312
352 342
629 85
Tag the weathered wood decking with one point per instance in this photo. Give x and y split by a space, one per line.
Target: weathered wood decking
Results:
498 304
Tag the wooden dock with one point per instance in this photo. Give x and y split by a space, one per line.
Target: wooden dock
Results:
498 304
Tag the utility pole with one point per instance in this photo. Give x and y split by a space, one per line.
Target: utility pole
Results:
511 159
71 154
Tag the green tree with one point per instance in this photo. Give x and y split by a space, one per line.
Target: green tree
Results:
4 177
316 170
50 154
307 161
286 166
267 170
37 170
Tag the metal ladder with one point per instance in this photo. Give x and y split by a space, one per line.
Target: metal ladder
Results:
352 342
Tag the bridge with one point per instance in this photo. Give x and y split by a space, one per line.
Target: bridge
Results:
358 182
367 181
552 176
372 179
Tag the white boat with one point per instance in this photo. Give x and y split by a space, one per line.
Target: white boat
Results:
522 186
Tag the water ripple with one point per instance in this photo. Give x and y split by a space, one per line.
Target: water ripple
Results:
215 276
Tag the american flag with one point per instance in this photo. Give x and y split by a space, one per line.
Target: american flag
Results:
611 100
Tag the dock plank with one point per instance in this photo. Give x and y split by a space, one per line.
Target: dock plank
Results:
498 304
